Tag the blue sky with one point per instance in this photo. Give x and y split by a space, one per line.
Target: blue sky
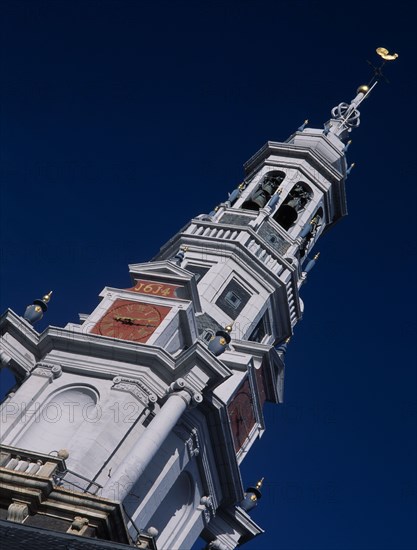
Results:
122 120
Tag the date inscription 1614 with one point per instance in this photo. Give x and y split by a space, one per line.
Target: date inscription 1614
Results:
155 289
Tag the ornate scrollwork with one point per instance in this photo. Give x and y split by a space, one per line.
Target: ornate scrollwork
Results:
193 443
45 369
190 438
341 110
136 388
208 507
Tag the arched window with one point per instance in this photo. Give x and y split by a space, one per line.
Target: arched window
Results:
293 205
268 186
54 425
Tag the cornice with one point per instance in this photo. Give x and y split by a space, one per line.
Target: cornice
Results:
81 353
20 329
167 271
244 256
293 151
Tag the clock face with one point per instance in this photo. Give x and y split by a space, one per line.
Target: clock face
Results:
241 414
131 320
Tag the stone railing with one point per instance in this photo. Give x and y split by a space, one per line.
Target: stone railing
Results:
13 459
19 460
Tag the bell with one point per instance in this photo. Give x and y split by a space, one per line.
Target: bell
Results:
286 215
270 186
257 200
271 183
295 203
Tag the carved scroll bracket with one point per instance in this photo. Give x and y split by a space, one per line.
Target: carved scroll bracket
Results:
47 370
136 388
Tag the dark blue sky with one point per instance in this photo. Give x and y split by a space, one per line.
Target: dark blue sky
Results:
121 120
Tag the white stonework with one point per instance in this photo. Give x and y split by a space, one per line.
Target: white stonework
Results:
150 423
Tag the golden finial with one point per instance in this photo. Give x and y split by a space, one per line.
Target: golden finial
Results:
47 297
241 186
384 53
259 484
364 88
228 328
287 341
184 248
316 257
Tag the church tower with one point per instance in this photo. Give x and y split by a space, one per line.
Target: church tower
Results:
131 426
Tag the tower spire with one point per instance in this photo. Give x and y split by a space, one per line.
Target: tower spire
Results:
346 116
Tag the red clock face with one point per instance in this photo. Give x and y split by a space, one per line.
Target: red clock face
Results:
131 320
241 414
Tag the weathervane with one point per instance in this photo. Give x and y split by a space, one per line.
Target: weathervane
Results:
347 116
386 56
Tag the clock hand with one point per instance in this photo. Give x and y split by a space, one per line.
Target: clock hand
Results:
128 320
131 321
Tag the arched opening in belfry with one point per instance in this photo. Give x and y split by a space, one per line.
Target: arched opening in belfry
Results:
268 186
293 205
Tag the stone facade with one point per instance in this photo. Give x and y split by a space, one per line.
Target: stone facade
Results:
150 417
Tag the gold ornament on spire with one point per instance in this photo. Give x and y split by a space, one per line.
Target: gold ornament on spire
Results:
47 297
260 482
386 56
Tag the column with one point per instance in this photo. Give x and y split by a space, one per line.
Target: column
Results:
148 443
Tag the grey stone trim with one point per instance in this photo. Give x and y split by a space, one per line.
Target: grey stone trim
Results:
236 219
273 238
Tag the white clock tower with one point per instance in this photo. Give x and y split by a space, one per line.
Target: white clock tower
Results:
131 426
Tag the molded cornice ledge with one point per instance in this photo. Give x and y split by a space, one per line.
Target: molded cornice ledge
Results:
18 344
200 367
20 329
